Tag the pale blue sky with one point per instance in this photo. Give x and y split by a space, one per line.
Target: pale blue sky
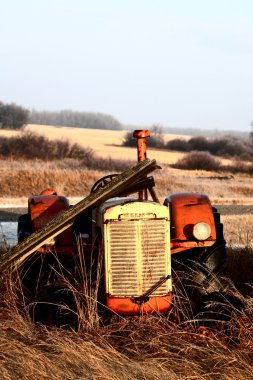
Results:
180 63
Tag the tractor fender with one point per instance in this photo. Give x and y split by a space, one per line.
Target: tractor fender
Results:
186 210
46 206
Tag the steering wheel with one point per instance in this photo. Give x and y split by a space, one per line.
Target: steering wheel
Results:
102 182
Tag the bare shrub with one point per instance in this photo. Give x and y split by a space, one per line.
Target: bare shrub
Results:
178 144
199 143
227 146
29 146
198 161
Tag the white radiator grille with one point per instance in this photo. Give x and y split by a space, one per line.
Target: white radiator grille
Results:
137 256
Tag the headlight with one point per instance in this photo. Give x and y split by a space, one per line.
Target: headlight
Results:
201 231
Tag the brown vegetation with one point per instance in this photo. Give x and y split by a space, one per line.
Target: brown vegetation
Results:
153 347
29 146
227 146
71 178
198 161
145 347
105 143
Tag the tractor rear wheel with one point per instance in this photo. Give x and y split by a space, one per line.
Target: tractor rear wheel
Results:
198 274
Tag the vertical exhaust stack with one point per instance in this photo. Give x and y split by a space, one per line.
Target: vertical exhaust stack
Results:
141 136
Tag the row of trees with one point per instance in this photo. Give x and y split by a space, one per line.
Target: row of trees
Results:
77 119
13 116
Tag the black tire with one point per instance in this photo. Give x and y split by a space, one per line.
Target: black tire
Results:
24 227
56 307
212 297
198 273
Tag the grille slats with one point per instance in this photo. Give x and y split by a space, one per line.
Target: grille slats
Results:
138 256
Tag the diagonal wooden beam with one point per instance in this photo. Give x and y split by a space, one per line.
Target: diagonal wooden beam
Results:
61 222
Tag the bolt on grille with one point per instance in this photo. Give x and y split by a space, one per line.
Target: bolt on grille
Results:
137 256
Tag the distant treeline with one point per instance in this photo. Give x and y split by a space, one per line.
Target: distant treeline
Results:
76 119
13 116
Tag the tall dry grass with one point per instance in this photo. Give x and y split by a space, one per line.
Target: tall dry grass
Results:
71 178
238 230
144 347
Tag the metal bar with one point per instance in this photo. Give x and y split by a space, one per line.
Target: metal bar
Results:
63 221
153 194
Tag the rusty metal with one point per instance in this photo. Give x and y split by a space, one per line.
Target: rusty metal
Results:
141 136
145 296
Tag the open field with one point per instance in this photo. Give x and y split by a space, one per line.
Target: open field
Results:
105 143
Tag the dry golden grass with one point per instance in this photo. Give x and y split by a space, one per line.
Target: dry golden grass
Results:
220 191
22 178
146 347
238 230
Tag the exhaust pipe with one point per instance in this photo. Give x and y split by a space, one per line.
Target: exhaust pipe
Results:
141 136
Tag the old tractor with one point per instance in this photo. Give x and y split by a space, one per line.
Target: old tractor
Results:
128 249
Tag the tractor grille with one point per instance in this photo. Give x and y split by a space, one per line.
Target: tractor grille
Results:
137 256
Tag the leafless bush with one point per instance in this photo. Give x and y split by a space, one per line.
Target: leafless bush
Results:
227 146
180 145
31 146
198 161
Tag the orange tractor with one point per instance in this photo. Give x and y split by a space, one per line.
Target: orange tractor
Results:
130 249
